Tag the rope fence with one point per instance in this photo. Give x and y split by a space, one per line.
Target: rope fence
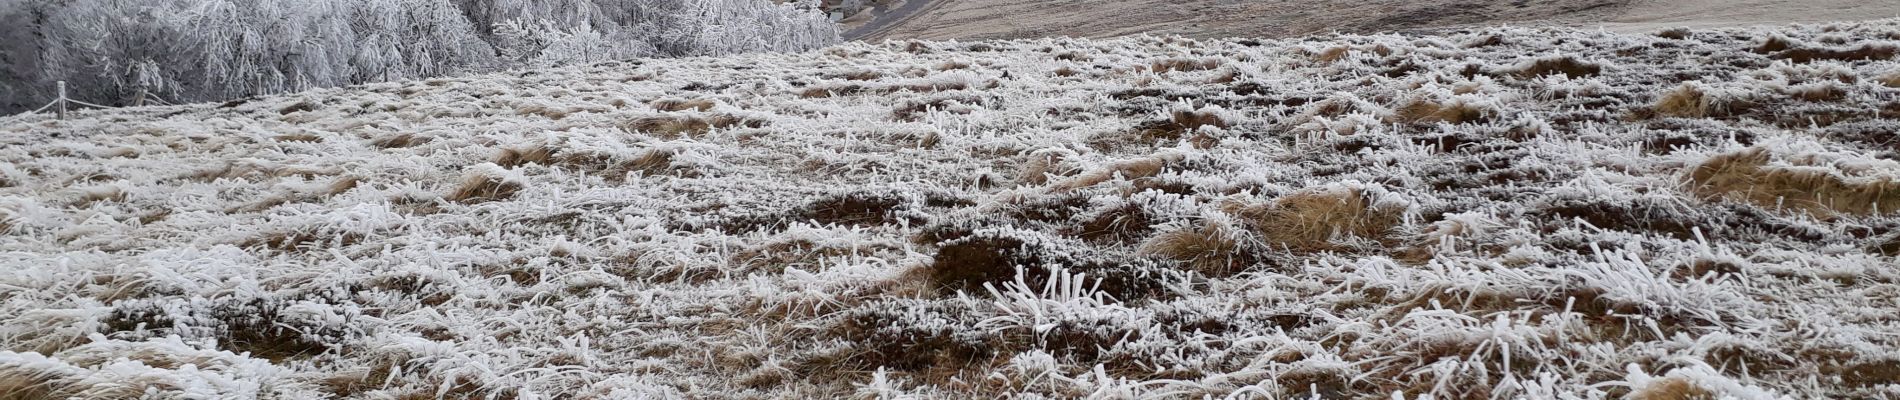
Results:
63 105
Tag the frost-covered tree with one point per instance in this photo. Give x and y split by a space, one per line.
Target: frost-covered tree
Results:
112 51
540 44
20 50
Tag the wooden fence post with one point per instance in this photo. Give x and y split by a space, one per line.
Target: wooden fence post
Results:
60 104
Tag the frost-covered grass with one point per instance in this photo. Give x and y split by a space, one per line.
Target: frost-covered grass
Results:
1506 213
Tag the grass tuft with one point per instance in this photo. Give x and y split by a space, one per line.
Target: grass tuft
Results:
298 138
1566 66
1676 34
1805 55
1890 79
1747 176
484 186
683 104
1183 64
1453 112
675 127
511 158
1309 220
1211 249
397 141
1672 389
1695 100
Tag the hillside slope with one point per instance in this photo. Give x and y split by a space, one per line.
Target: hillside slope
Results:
999 19
1663 14
1500 213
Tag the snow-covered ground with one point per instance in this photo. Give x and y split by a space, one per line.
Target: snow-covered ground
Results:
1504 213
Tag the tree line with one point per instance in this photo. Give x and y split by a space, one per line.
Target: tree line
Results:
114 51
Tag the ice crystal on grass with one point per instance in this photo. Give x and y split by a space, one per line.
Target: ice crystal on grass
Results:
1494 213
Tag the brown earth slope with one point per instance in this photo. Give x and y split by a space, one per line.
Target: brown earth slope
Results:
990 19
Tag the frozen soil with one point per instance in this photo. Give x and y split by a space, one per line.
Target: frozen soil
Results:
1499 213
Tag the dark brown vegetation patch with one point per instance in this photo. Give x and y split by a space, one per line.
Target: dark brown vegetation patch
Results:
1663 218
1123 224
397 141
674 127
1426 111
683 104
512 158
1865 374
894 336
1864 52
994 257
1566 66
1183 64
862 209
257 327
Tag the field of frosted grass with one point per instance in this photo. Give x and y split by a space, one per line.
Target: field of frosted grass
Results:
1503 213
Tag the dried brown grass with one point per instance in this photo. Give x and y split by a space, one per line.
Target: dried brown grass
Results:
511 158
1486 41
1127 169
865 75
674 127
1178 125
1676 34
683 104
23 382
1183 64
1228 75
1746 176
482 188
298 138
98 194
848 90
1197 119
1310 220
1868 374
1671 389
1212 249
1566 66
1891 79
1691 101
544 111
1819 92
1864 52
342 185
1426 111
1044 165
1125 224
397 141
1776 43
651 162
336 187
229 170
1333 54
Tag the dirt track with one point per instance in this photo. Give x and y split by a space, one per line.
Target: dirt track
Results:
986 19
